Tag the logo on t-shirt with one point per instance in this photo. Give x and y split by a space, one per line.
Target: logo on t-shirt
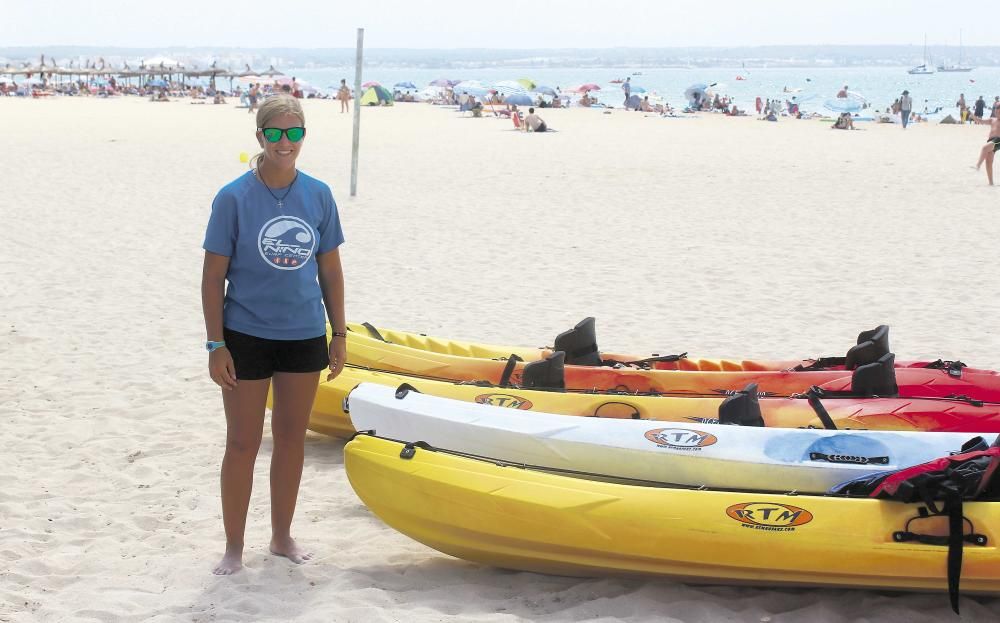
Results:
286 242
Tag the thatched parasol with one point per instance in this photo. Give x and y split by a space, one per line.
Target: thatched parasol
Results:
271 72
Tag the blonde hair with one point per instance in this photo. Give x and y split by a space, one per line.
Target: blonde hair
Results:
272 107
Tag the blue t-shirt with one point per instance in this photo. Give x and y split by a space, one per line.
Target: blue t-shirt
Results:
273 289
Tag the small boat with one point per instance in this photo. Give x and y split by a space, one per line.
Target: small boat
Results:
520 517
956 68
923 69
711 455
576 363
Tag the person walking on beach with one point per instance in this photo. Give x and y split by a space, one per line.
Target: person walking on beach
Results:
990 148
627 88
905 107
979 108
274 235
344 95
252 96
963 108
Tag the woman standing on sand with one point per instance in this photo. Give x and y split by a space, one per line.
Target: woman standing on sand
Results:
344 95
273 235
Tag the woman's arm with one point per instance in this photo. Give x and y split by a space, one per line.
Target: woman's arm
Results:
331 282
213 289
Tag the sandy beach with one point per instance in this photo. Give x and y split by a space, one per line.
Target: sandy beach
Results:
711 235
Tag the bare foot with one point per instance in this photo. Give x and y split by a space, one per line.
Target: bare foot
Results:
288 548
231 562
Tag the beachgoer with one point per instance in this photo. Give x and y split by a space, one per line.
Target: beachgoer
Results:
991 147
585 100
759 104
996 108
963 108
252 95
534 123
273 235
627 88
344 95
842 93
296 89
905 106
980 107
844 122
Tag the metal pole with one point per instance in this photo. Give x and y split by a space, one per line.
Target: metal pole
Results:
357 113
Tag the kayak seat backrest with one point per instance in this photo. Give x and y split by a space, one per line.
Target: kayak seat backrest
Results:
580 343
548 373
742 408
876 379
879 334
871 346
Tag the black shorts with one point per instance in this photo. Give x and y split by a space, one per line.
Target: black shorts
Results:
257 358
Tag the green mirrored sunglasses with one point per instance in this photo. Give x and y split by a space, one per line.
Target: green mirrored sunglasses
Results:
273 135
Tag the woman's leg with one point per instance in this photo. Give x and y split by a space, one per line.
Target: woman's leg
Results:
293 400
244 407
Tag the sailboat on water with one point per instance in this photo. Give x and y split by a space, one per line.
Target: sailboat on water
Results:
922 69
959 67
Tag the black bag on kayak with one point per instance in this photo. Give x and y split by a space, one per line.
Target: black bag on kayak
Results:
942 486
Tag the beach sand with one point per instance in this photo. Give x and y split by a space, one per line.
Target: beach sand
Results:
713 235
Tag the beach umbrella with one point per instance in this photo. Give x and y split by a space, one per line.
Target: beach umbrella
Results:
545 90
271 72
520 100
633 101
508 88
695 93
527 83
637 89
472 87
405 85
370 84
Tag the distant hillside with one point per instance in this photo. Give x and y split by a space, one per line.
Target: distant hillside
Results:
764 56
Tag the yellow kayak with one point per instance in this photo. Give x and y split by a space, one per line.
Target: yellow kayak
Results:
329 416
516 518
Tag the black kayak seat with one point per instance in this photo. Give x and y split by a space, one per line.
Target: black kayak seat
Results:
548 373
871 346
869 350
580 343
742 408
876 379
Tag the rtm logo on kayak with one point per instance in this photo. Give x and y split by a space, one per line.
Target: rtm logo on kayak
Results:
680 438
771 517
504 400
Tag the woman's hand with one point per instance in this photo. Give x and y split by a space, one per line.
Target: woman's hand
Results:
338 356
221 368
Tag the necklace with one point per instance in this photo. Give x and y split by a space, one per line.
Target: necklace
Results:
281 199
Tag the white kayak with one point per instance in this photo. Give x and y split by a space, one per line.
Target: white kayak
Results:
712 455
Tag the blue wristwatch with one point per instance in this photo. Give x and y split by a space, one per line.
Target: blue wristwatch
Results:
213 346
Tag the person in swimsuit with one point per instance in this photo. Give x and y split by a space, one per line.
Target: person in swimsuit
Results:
344 95
991 147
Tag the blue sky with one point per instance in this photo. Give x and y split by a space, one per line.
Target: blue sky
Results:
489 24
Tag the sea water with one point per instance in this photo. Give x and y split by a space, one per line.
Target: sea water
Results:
811 86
